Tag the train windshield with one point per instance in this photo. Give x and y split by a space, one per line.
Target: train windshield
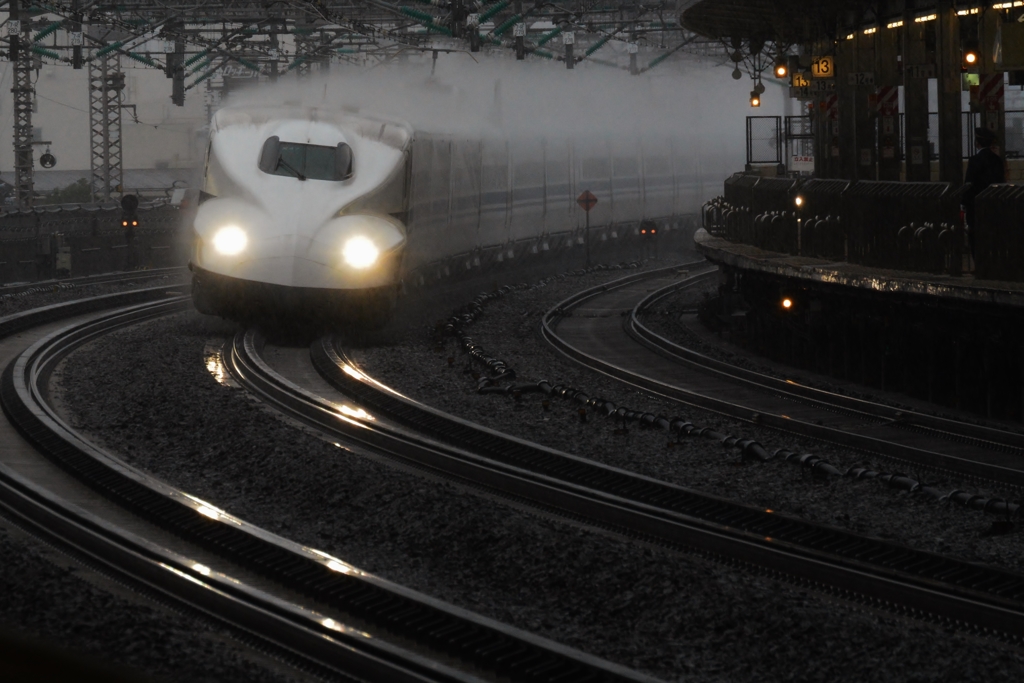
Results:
312 161
302 161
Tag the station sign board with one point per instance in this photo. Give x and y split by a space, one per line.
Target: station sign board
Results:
801 80
823 67
860 78
919 71
801 163
587 200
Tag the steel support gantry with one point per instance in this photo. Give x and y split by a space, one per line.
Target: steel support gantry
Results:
24 92
106 82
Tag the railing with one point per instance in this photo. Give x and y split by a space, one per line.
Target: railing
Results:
905 226
778 140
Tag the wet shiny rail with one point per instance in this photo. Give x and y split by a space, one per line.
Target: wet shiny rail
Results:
296 602
855 565
484 643
634 354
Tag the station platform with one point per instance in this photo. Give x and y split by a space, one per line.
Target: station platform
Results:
955 341
963 288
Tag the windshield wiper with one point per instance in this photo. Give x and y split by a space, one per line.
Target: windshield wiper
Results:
282 162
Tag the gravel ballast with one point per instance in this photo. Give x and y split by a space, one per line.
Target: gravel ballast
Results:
48 597
679 617
509 330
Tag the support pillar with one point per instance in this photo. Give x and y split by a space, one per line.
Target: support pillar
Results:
863 85
887 44
948 54
916 70
846 65
826 123
992 98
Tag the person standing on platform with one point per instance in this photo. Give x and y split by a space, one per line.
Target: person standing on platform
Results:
985 168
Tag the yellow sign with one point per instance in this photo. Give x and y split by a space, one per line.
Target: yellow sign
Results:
823 67
800 80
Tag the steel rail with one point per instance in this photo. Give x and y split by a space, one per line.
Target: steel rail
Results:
345 423
997 470
317 637
855 565
85 280
986 436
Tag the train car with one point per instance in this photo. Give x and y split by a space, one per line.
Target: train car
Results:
301 211
313 211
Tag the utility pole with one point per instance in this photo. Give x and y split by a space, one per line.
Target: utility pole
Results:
569 39
75 32
917 68
21 55
947 48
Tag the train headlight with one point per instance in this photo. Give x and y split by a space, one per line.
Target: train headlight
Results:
230 240
360 252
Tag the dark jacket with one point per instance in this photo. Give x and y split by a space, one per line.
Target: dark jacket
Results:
983 169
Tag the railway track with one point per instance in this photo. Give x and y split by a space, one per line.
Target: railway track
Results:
853 565
296 601
633 353
18 288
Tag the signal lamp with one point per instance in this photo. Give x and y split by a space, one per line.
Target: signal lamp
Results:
781 70
970 58
755 99
799 201
787 303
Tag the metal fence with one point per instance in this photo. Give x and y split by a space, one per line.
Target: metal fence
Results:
764 140
43 244
780 140
886 224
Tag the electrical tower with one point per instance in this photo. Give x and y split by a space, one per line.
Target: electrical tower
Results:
105 85
23 95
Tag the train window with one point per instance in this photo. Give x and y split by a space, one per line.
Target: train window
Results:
317 162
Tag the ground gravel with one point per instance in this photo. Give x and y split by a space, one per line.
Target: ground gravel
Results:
679 617
510 330
51 599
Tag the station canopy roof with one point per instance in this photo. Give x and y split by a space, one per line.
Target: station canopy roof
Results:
783 21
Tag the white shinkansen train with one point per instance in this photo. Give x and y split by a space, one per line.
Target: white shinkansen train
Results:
325 212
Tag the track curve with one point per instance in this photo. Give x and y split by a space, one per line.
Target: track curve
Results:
631 352
855 565
294 600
